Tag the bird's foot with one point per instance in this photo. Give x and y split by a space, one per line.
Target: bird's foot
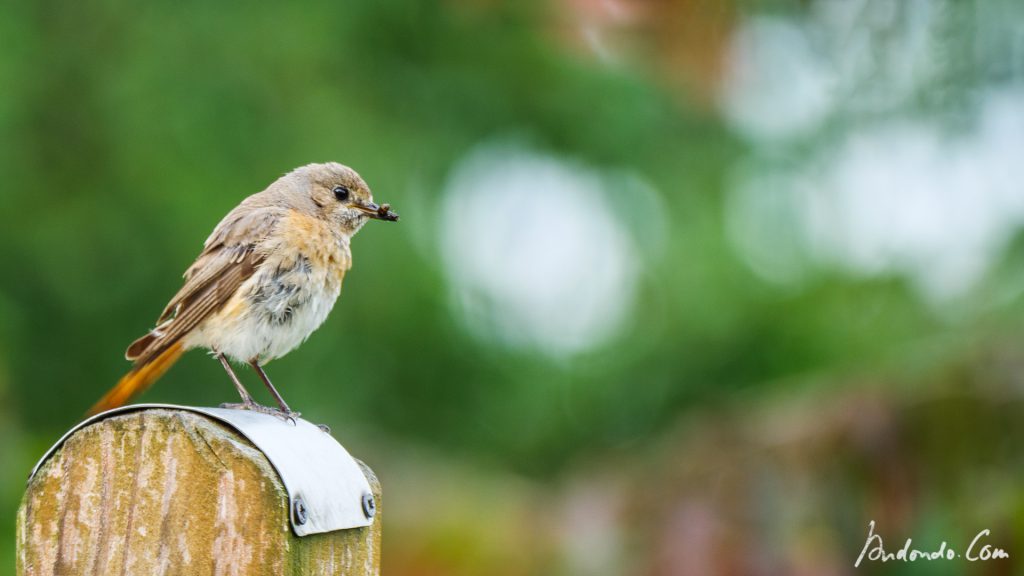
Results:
276 412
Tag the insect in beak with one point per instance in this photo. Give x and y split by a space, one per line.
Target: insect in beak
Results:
382 212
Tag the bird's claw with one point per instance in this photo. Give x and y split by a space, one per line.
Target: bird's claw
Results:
254 407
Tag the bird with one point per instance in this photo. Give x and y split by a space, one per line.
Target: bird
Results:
267 277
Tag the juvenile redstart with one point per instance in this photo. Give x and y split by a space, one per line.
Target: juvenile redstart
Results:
267 277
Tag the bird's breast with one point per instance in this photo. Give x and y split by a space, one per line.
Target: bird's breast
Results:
317 244
299 281
288 297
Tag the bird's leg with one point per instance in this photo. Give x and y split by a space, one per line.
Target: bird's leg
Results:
247 401
277 396
266 380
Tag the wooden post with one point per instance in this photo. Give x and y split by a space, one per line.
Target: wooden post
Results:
171 492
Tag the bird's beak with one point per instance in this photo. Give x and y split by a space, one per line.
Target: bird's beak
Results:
382 212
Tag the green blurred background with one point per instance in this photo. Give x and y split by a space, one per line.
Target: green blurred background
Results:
680 286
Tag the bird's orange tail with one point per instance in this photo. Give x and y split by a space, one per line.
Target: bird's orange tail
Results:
136 381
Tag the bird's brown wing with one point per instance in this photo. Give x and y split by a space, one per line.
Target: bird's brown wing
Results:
230 256
231 243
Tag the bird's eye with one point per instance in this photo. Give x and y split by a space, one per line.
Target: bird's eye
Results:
341 193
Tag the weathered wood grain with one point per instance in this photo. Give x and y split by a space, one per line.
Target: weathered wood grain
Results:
166 492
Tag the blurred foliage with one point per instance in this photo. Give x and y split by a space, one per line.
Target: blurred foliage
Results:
129 129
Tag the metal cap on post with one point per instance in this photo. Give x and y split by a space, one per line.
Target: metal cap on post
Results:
145 478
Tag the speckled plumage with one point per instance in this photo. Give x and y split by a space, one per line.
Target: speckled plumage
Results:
288 296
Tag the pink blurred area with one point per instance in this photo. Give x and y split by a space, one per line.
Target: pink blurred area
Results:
759 486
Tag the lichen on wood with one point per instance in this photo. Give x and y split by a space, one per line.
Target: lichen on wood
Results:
169 492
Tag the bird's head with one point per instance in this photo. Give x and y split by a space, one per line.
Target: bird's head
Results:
339 195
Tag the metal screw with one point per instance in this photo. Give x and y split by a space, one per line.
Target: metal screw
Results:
299 507
369 506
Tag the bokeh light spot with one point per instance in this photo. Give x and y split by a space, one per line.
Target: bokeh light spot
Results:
535 251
